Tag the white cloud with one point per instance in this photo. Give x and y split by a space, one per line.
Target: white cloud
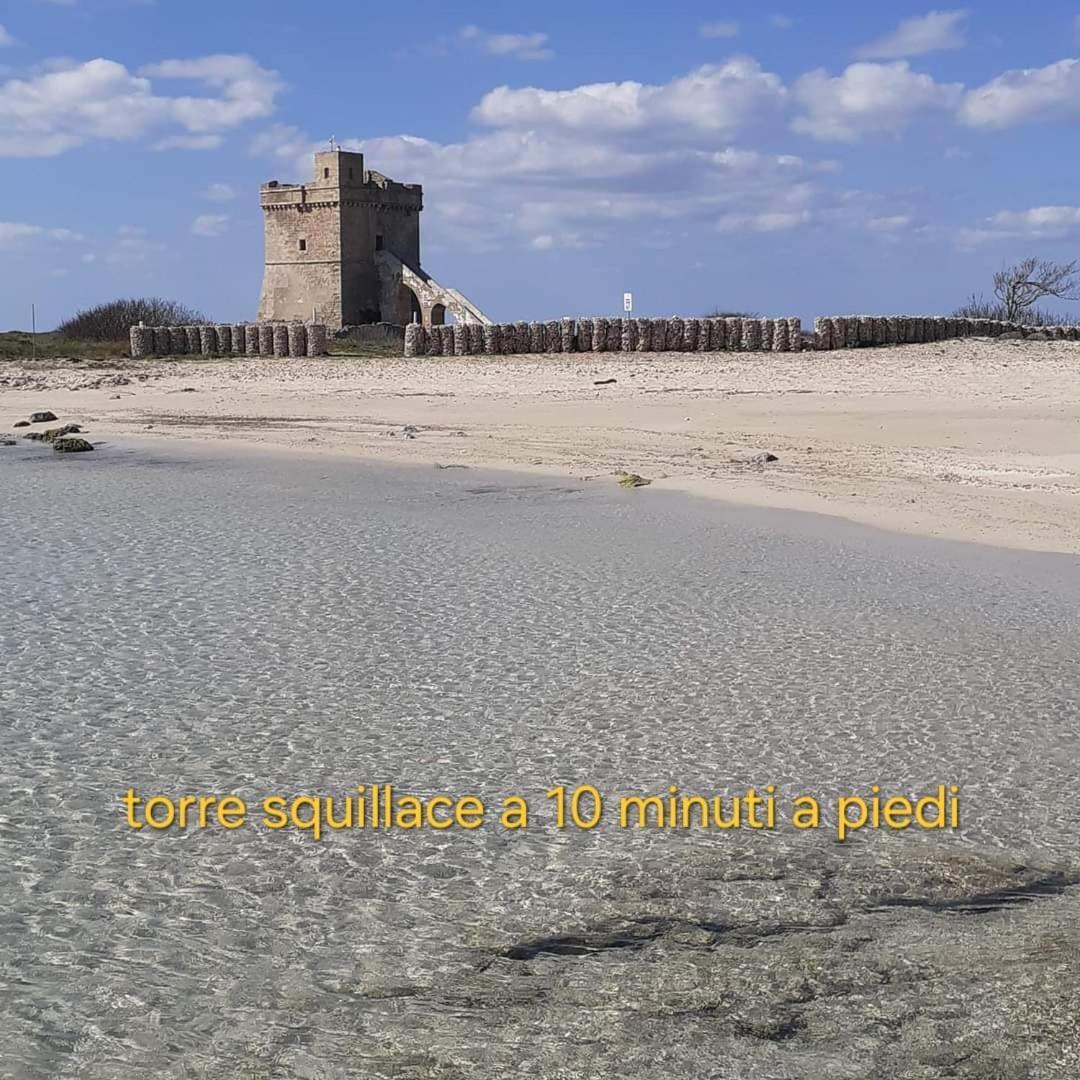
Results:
782 22
19 235
5 37
1047 93
131 247
210 224
728 29
715 98
915 37
1037 223
868 99
888 224
70 105
220 193
189 142
768 221
516 46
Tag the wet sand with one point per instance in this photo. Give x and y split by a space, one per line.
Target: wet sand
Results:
181 619
971 440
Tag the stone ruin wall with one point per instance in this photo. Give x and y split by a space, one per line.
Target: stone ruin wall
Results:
728 334
233 339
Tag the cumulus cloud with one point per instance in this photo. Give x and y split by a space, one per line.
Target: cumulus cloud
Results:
515 46
131 247
713 98
220 193
15 235
5 37
915 37
210 225
189 142
1046 93
722 29
868 99
101 100
1036 223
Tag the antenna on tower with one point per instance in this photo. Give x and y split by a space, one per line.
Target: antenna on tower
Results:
333 143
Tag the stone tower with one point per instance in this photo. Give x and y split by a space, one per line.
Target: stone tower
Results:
345 249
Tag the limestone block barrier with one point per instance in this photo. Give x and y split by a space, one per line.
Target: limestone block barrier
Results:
433 344
316 339
780 339
297 339
552 337
751 335
567 342
142 342
589 335
416 343
606 335
535 338
584 338
229 339
281 339
840 331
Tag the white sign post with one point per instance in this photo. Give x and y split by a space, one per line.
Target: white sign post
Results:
628 301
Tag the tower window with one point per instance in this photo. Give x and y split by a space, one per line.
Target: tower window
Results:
326 174
303 245
378 242
350 174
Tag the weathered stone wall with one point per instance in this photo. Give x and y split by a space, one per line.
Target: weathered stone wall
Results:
250 339
730 334
861 331
607 335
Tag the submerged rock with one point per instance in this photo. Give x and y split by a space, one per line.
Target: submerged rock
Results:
42 417
71 444
22 423
632 480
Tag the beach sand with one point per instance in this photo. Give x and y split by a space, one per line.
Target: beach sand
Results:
973 439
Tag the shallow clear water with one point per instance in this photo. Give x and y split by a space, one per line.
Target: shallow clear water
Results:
177 621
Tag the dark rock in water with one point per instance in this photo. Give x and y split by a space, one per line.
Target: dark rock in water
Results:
604 382
42 417
59 432
70 444
22 423
632 480
8 442
35 436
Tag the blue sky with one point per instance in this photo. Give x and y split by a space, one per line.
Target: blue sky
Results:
823 158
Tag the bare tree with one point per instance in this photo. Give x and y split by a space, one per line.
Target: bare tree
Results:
1021 287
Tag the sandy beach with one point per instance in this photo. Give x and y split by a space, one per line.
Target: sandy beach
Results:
974 440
